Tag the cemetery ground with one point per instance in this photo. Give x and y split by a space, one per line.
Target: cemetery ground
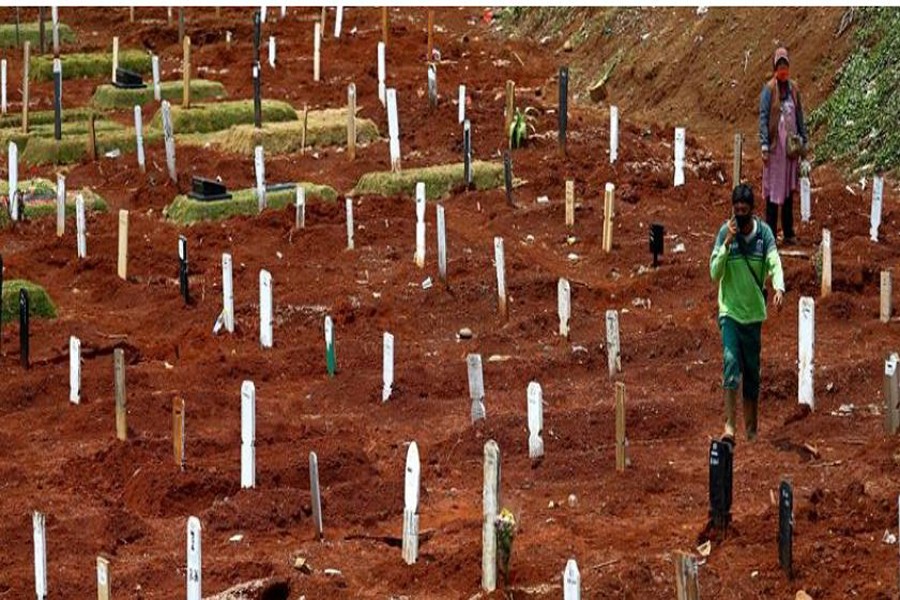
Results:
128 500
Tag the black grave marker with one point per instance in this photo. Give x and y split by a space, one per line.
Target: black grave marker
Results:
57 99
128 80
183 269
467 153
1 295
563 106
786 528
256 35
257 96
207 190
657 235
721 463
23 327
507 177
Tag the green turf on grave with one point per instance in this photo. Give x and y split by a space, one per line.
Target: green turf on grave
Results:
439 180
184 210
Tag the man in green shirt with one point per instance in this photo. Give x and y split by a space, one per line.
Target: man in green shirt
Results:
743 257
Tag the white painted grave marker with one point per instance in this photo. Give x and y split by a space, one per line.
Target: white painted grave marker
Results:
612 343
393 129
170 140
679 156
40 555
476 386
80 226
14 181
349 205
420 224
501 276
248 435
300 208
260 164
564 305
805 200
613 134
115 58
54 18
60 205
381 73
157 90
806 351
462 104
571 581
3 86
330 352
877 197
886 307
227 293
315 494
490 500
535 420
139 135
74 370
194 560
387 364
272 51
103 583
338 20
262 13
317 46
442 243
432 85
410 542
265 309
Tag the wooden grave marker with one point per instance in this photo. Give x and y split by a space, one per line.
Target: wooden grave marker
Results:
60 205
393 128
81 227
877 197
806 351
501 277
272 51
183 269
54 19
265 309
139 136
432 86
381 74
385 29
248 435
420 225
564 306
186 68
348 204
24 329
300 207
509 108
317 47
315 495
115 58
891 394
614 360
338 20
563 108
609 215
257 96
122 266
826 263
476 386
570 203
805 200
461 108
26 66
621 438
121 395
410 543
181 36
442 243
169 140
686 585
103 581
3 102
430 51
351 121
178 440
57 99
738 157
387 367
74 370
157 89
259 164
467 153
535 399
886 305
490 510
786 528
13 163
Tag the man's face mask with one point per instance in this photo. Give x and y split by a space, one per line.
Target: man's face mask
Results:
743 220
782 73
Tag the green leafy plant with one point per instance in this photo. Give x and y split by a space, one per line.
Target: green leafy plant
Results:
522 122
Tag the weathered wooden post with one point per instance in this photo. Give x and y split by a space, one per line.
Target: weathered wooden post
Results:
877 198
385 28
3 87
122 269
315 495
563 107
686 585
121 397
442 244
738 160
178 431
430 52
886 300
38 523
265 309
60 205
410 538
351 121
103 579
826 263
501 277
609 215
54 17
169 141
387 366
621 439
139 137
570 203
535 399
115 58
891 394
194 560
186 66
614 361
475 376
564 306
26 52
490 511
317 46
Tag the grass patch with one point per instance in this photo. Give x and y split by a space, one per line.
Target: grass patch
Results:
72 149
72 128
97 64
860 116
205 118
185 211
32 33
439 180
324 128
40 199
46 117
39 303
109 96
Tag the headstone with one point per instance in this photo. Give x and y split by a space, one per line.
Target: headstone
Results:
535 397
317 46
74 370
139 135
183 282
721 471
351 121
563 106
614 360
81 226
24 333
272 51
476 386
13 162
207 190
501 277
121 396
442 243
571 581
410 544
260 167
157 90
265 309
621 438
686 571
169 140
103 582
122 267
826 263
349 209
467 153
227 293
300 208
315 494
57 99
387 364
570 203
420 224
330 354
60 205
679 156
115 57
40 553
806 351
886 308
877 197
490 501
54 18
736 166
613 134
891 394
786 528
194 560
257 96
338 20
3 86
609 215
393 129
564 306
178 431
248 435
432 86
508 177
461 109
381 73
805 200
186 73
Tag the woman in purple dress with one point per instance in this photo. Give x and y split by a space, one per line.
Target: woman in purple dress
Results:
780 119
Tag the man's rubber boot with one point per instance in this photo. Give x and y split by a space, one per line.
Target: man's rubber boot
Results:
751 415
730 406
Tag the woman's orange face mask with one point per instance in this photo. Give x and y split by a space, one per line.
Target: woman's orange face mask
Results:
782 73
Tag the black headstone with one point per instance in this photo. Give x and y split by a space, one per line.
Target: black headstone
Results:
183 269
657 236
507 177
23 327
786 528
721 464
207 190
563 105
128 80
